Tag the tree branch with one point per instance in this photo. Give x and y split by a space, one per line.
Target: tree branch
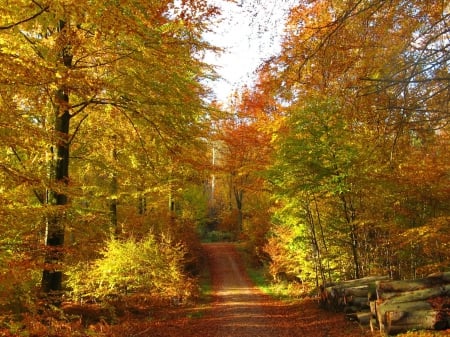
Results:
9 26
36 194
76 129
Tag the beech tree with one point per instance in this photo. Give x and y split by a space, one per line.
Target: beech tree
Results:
63 62
243 152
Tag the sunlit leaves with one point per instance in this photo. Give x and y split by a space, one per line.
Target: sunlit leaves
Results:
376 145
127 76
156 268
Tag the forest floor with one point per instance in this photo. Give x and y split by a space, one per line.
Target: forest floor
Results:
238 308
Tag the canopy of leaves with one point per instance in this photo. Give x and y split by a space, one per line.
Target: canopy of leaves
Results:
128 76
362 118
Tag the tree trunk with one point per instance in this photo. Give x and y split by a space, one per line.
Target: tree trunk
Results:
318 266
113 207
350 217
239 196
59 177
54 233
142 205
114 230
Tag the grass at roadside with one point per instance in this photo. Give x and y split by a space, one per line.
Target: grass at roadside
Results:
257 275
279 290
205 285
206 292
260 277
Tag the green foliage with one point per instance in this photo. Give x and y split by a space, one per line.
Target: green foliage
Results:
218 236
194 207
149 266
315 182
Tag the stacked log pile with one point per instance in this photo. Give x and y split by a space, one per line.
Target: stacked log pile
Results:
392 306
413 304
350 297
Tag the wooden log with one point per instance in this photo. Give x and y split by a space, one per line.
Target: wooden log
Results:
373 324
421 294
402 321
332 298
372 292
351 292
441 276
358 291
385 289
363 317
373 308
351 309
385 307
351 316
360 302
361 281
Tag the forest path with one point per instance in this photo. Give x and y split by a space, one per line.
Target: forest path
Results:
238 308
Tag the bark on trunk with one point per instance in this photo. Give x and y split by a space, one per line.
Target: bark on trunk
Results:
54 238
386 307
114 227
388 289
59 177
402 321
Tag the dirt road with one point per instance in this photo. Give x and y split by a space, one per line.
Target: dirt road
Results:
242 310
239 309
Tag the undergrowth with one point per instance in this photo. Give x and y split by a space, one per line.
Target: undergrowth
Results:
259 275
280 290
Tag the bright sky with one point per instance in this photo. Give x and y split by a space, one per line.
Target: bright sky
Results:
249 31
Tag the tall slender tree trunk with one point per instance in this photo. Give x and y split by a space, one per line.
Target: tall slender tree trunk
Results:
239 197
54 233
322 235
114 187
318 266
350 217
142 204
59 176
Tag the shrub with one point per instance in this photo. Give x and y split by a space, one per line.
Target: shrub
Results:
146 266
19 280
